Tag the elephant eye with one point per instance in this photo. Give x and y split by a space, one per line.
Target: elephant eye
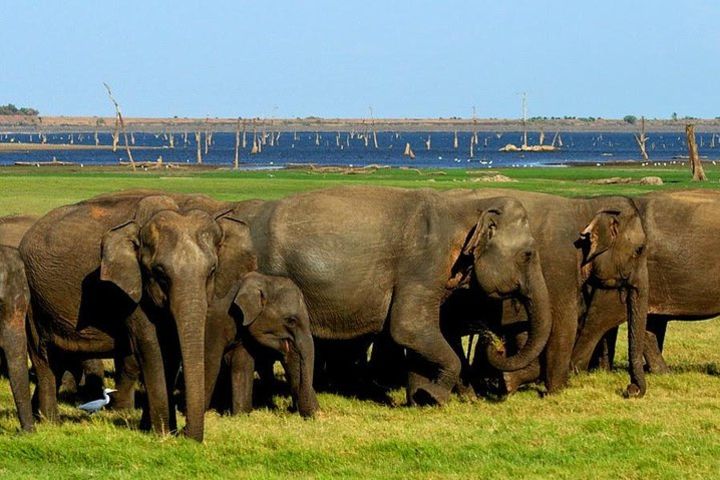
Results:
639 250
291 321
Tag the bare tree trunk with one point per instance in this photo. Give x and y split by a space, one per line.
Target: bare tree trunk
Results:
198 140
122 126
236 163
695 164
642 140
116 135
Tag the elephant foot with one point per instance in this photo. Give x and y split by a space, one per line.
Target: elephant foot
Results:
656 365
430 394
633 391
512 382
662 369
465 392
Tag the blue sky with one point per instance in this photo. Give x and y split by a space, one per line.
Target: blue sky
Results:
337 58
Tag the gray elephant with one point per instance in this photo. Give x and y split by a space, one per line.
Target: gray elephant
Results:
82 377
586 246
260 311
14 302
683 228
371 259
121 275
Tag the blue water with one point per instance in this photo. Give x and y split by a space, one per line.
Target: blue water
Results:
301 148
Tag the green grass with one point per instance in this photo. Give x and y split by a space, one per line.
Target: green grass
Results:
587 431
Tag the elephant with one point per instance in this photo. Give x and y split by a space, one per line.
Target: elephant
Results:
14 303
586 246
260 311
123 275
83 377
373 259
683 228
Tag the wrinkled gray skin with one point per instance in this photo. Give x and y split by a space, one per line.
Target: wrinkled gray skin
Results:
124 274
271 312
83 377
225 336
683 229
369 259
586 246
14 303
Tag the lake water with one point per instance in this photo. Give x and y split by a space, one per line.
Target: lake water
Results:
329 148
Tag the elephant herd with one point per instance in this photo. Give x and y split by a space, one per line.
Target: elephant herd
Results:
187 293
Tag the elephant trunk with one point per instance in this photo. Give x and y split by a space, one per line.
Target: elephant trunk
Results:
535 298
189 308
637 307
300 361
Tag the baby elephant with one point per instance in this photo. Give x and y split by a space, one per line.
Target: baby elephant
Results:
268 311
14 300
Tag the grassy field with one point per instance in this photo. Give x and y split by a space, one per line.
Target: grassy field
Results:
587 431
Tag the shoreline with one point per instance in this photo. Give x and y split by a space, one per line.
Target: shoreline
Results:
25 124
329 168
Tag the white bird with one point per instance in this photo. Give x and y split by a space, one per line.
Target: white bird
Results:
97 405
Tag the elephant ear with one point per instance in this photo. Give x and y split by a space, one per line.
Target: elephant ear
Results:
119 262
235 254
600 234
483 231
251 297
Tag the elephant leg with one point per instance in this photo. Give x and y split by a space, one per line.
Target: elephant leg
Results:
93 379
514 380
242 368
127 374
558 351
45 396
590 338
415 325
604 355
214 349
69 380
172 374
463 386
14 344
658 327
144 340
653 354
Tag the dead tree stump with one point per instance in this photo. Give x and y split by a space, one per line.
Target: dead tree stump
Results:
695 164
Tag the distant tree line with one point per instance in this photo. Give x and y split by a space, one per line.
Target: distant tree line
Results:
11 109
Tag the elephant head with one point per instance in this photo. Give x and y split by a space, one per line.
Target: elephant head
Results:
274 313
167 258
506 264
614 256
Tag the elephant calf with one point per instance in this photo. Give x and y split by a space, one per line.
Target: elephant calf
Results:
265 311
14 300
